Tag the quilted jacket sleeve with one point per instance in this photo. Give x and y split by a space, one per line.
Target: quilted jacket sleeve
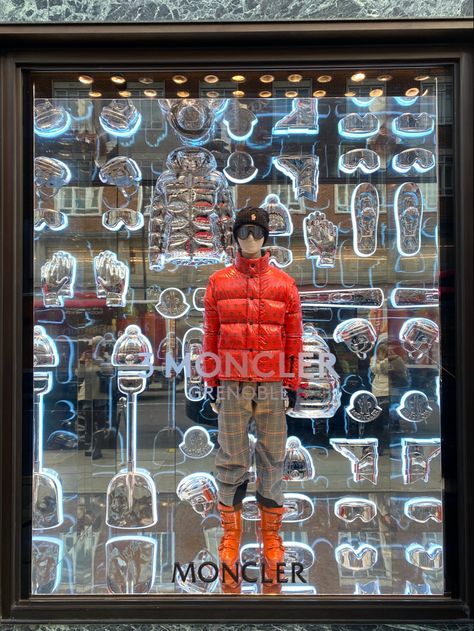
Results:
211 332
294 341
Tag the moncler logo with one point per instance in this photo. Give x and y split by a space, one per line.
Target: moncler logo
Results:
253 216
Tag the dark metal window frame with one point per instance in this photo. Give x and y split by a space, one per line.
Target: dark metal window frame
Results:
24 48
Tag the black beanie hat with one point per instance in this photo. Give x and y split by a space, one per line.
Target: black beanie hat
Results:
251 215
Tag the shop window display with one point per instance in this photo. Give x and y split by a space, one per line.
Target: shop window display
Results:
125 436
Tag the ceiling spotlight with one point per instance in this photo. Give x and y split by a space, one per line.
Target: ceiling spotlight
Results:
183 94
265 94
118 79
425 92
376 92
319 93
324 78
422 77
238 93
179 79
125 93
211 78
291 94
145 80
86 79
212 94
294 78
95 93
358 76
238 78
150 92
412 92
350 93
267 78
384 77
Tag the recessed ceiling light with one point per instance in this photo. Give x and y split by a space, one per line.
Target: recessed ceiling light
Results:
125 93
384 77
238 93
211 78
183 94
150 92
376 92
267 78
118 79
358 76
294 78
350 93
86 79
145 80
422 77
324 78
179 79
319 93
95 93
412 92
291 94
265 94
238 78
212 94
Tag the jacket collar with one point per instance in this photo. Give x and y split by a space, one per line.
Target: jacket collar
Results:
252 267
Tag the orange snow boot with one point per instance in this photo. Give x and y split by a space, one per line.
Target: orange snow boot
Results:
229 548
273 548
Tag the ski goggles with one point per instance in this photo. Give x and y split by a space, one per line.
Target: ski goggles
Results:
244 231
364 160
115 218
422 509
419 159
53 219
351 508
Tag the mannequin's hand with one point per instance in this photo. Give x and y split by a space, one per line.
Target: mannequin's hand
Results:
212 396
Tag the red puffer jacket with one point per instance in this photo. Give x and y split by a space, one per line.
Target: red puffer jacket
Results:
252 324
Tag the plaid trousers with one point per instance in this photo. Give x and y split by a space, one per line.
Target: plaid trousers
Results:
238 402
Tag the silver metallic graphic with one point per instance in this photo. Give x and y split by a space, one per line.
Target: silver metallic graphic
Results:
369 298
47 555
417 589
47 509
365 217
240 167
50 121
410 125
417 454
191 215
239 121
50 173
279 255
358 334
111 279
279 218
295 552
193 349
371 588
357 559
350 509
131 493
193 119
198 298
417 336
414 297
362 454
130 564
320 236
363 407
424 509
303 172
408 209
125 174
202 583
416 160
298 464
49 217
120 118
298 508
303 119
414 406
200 490
172 303
359 126
428 558
320 395
364 160
58 276
196 443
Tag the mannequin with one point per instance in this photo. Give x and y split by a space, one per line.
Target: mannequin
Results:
253 336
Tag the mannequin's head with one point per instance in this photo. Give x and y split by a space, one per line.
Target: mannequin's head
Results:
250 246
251 230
